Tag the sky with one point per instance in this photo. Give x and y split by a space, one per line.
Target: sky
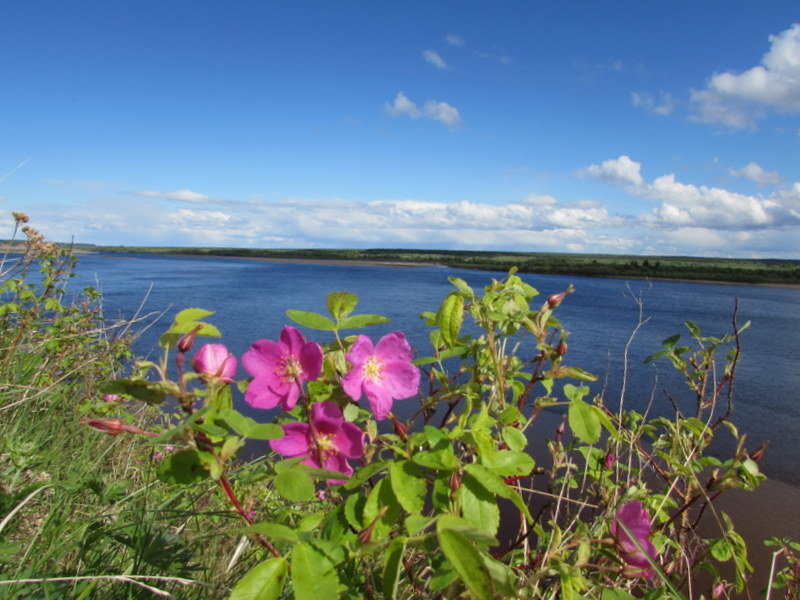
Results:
667 128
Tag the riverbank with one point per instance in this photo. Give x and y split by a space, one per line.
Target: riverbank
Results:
766 271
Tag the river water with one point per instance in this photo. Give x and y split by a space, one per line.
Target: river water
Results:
250 298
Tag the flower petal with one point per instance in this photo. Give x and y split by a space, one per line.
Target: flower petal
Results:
349 440
351 382
292 340
393 346
263 355
400 379
296 440
311 360
380 401
360 351
260 393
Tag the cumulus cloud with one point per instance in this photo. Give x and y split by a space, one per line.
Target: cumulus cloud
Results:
436 111
663 106
738 100
620 170
757 174
454 40
433 58
180 195
685 205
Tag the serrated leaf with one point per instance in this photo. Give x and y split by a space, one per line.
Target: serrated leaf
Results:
583 421
311 320
182 467
192 314
408 484
341 304
295 485
578 373
313 575
495 484
462 286
262 582
508 463
466 561
514 438
391 567
265 431
146 391
478 505
357 321
273 531
450 317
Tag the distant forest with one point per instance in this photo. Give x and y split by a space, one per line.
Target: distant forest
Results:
735 270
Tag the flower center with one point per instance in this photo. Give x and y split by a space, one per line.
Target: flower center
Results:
373 369
325 446
290 368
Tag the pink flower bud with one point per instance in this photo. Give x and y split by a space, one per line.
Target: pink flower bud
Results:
609 460
213 361
561 349
111 398
187 339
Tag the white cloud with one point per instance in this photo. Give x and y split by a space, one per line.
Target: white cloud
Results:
180 195
436 111
454 40
739 100
433 58
757 174
620 170
664 106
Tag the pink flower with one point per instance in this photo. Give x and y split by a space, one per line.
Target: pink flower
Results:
326 443
382 373
280 368
111 398
213 361
635 518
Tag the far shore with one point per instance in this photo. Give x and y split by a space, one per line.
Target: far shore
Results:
343 262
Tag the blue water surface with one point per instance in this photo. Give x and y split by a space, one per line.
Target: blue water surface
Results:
250 298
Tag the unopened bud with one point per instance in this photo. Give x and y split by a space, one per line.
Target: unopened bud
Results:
455 481
187 339
109 426
365 535
561 349
609 460
560 431
718 591
401 430
759 452
554 300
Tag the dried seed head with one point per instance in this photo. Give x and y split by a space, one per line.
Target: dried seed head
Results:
20 217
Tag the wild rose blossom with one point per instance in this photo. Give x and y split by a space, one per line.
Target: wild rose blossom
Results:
280 369
213 361
635 518
383 373
327 442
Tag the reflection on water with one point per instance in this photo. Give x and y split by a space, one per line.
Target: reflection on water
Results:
250 298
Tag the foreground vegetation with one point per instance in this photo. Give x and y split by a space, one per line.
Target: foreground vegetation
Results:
122 478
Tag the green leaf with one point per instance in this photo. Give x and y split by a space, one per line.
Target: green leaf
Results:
578 373
478 505
466 561
341 304
146 391
357 321
408 485
182 467
721 550
514 438
273 531
508 463
262 582
391 567
265 431
311 320
313 575
462 287
616 594
450 317
191 315
295 485
583 421
495 484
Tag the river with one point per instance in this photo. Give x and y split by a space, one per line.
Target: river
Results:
251 296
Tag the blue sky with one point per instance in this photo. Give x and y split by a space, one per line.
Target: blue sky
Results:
643 128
